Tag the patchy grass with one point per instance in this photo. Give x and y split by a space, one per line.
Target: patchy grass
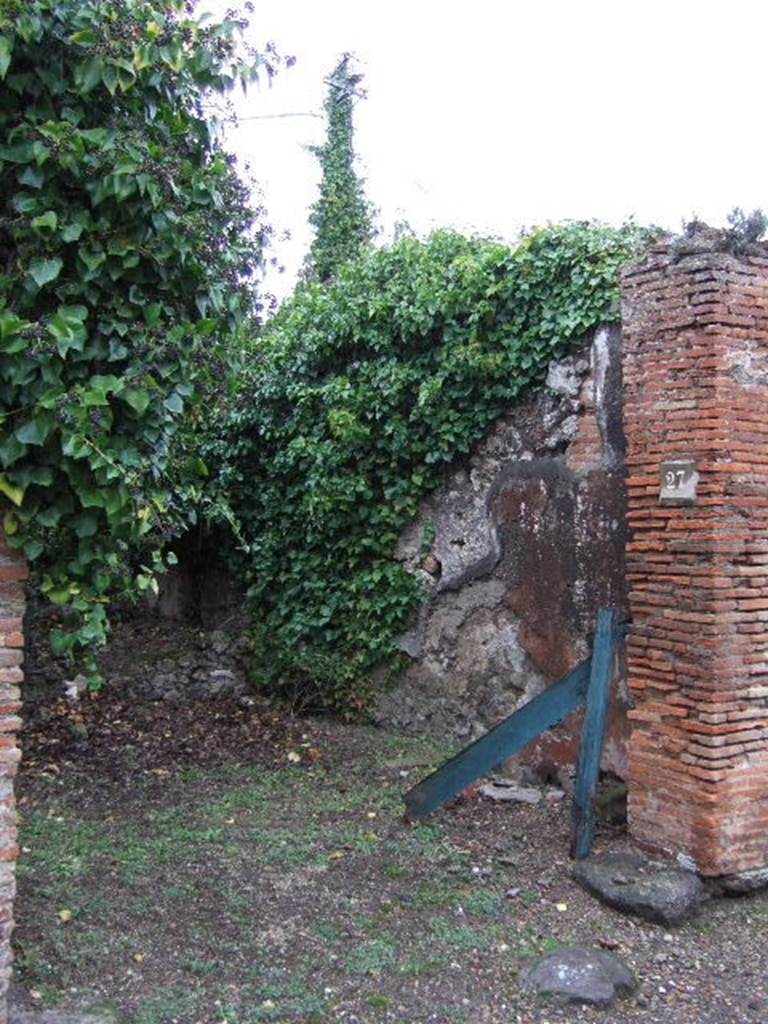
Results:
248 893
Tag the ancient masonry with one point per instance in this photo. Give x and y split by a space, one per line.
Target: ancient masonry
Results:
695 324
13 572
524 542
529 539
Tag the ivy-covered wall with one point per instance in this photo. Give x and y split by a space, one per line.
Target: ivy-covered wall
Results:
514 554
359 400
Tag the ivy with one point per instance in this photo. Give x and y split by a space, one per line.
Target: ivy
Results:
128 247
359 397
341 216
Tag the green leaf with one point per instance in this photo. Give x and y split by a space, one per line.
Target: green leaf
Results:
152 313
137 398
47 221
43 272
40 152
126 78
92 259
66 326
99 387
16 494
109 78
85 37
174 403
35 431
32 549
73 315
49 517
173 55
23 203
98 136
74 446
31 474
31 176
92 497
142 57
10 324
88 74
206 327
6 51
20 153
85 525
71 232
11 450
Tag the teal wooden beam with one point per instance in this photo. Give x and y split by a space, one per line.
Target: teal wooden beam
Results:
592 733
504 740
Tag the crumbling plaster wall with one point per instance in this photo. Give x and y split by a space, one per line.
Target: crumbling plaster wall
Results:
517 551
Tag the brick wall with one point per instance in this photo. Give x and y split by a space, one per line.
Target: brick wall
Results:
696 387
13 572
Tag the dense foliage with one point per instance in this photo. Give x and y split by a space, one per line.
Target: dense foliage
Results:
127 246
362 394
341 216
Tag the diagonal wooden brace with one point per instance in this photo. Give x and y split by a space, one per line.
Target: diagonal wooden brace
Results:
537 716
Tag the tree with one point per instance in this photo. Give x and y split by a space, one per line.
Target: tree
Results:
128 248
341 216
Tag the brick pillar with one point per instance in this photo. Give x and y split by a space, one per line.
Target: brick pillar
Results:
13 572
696 395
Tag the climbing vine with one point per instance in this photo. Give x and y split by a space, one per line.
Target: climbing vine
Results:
361 394
127 249
341 215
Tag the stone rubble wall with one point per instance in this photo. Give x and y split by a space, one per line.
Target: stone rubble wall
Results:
518 550
695 323
147 659
13 573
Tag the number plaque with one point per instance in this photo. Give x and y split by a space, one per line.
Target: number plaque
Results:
679 480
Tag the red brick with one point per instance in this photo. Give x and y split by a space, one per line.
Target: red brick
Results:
698 575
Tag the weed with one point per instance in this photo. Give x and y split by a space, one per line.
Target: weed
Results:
371 956
421 966
483 902
439 893
329 932
549 945
461 936
199 968
165 1007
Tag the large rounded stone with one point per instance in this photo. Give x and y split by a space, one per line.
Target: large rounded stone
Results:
576 974
629 883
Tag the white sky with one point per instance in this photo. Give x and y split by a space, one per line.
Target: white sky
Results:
491 115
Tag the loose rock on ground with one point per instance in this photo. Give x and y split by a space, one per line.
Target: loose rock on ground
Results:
629 883
577 974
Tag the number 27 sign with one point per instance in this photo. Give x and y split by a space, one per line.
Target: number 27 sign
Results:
679 480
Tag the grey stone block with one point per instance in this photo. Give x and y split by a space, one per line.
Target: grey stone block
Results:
577 974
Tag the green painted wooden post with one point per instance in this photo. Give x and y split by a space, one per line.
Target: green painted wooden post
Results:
506 739
592 733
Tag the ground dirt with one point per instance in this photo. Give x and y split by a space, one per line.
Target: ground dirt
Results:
227 863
